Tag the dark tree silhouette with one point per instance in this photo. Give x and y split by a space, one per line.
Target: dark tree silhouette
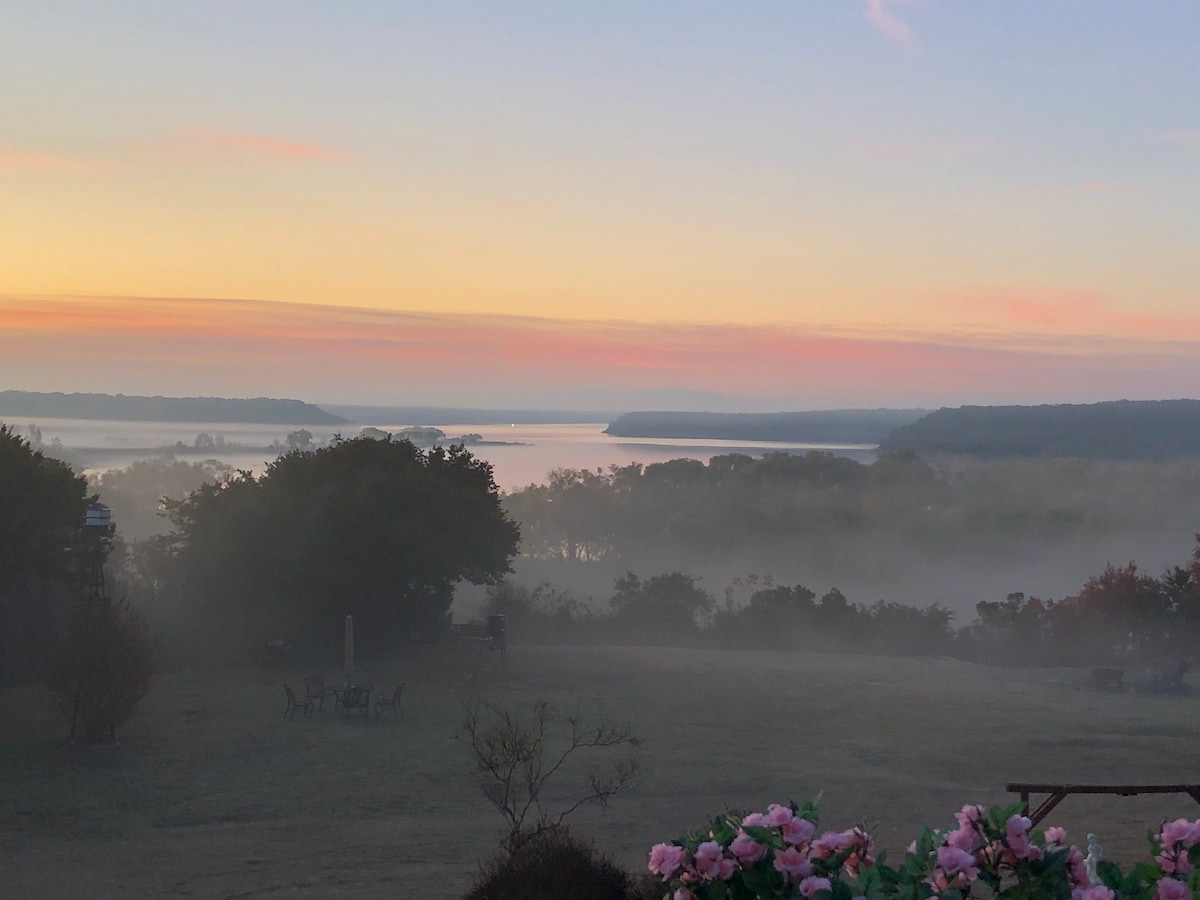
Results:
42 506
380 530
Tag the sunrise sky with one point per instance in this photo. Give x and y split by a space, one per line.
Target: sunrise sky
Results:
794 204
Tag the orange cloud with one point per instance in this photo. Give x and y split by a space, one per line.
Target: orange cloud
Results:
14 159
230 144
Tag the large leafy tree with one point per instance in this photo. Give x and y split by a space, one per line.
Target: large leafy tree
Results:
42 507
380 530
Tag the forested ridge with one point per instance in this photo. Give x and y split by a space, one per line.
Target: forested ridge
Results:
1117 429
853 426
119 407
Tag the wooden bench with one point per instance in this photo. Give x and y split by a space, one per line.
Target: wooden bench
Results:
1058 792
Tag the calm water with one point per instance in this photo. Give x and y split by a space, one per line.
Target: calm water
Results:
530 451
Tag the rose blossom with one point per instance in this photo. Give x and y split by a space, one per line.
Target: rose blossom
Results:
792 864
1174 863
812 884
665 859
683 894
708 859
1017 825
969 814
829 844
746 849
1055 835
1181 831
954 860
777 815
798 831
755 820
1170 889
1095 892
966 839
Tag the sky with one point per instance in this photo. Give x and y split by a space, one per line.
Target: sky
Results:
797 204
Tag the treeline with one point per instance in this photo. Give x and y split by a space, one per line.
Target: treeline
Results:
754 613
1120 429
1119 617
830 426
827 509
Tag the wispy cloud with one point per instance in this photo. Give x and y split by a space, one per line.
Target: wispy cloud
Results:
15 159
1071 319
1021 348
249 146
1183 137
880 15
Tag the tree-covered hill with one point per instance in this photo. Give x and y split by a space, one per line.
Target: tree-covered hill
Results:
1119 429
829 426
120 407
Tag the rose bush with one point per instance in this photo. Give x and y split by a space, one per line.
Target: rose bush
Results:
780 854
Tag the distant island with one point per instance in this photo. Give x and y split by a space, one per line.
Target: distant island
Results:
1115 429
119 407
834 426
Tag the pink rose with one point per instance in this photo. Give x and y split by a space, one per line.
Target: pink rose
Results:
665 860
755 820
1017 825
812 884
1055 835
1095 892
683 894
1181 831
967 839
954 860
970 814
746 849
777 815
1174 863
798 831
725 872
829 844
708 859
792 864
1170 889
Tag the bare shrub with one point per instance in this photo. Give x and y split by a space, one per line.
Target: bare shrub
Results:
517 758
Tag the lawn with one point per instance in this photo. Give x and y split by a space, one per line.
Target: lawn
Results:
212 794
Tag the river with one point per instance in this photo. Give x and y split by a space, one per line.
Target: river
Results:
520 454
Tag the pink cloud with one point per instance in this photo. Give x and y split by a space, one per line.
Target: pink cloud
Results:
879 14
1031 315
1027 348
1184 137
230 144
14 159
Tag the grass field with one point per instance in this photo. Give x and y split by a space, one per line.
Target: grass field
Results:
211 794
